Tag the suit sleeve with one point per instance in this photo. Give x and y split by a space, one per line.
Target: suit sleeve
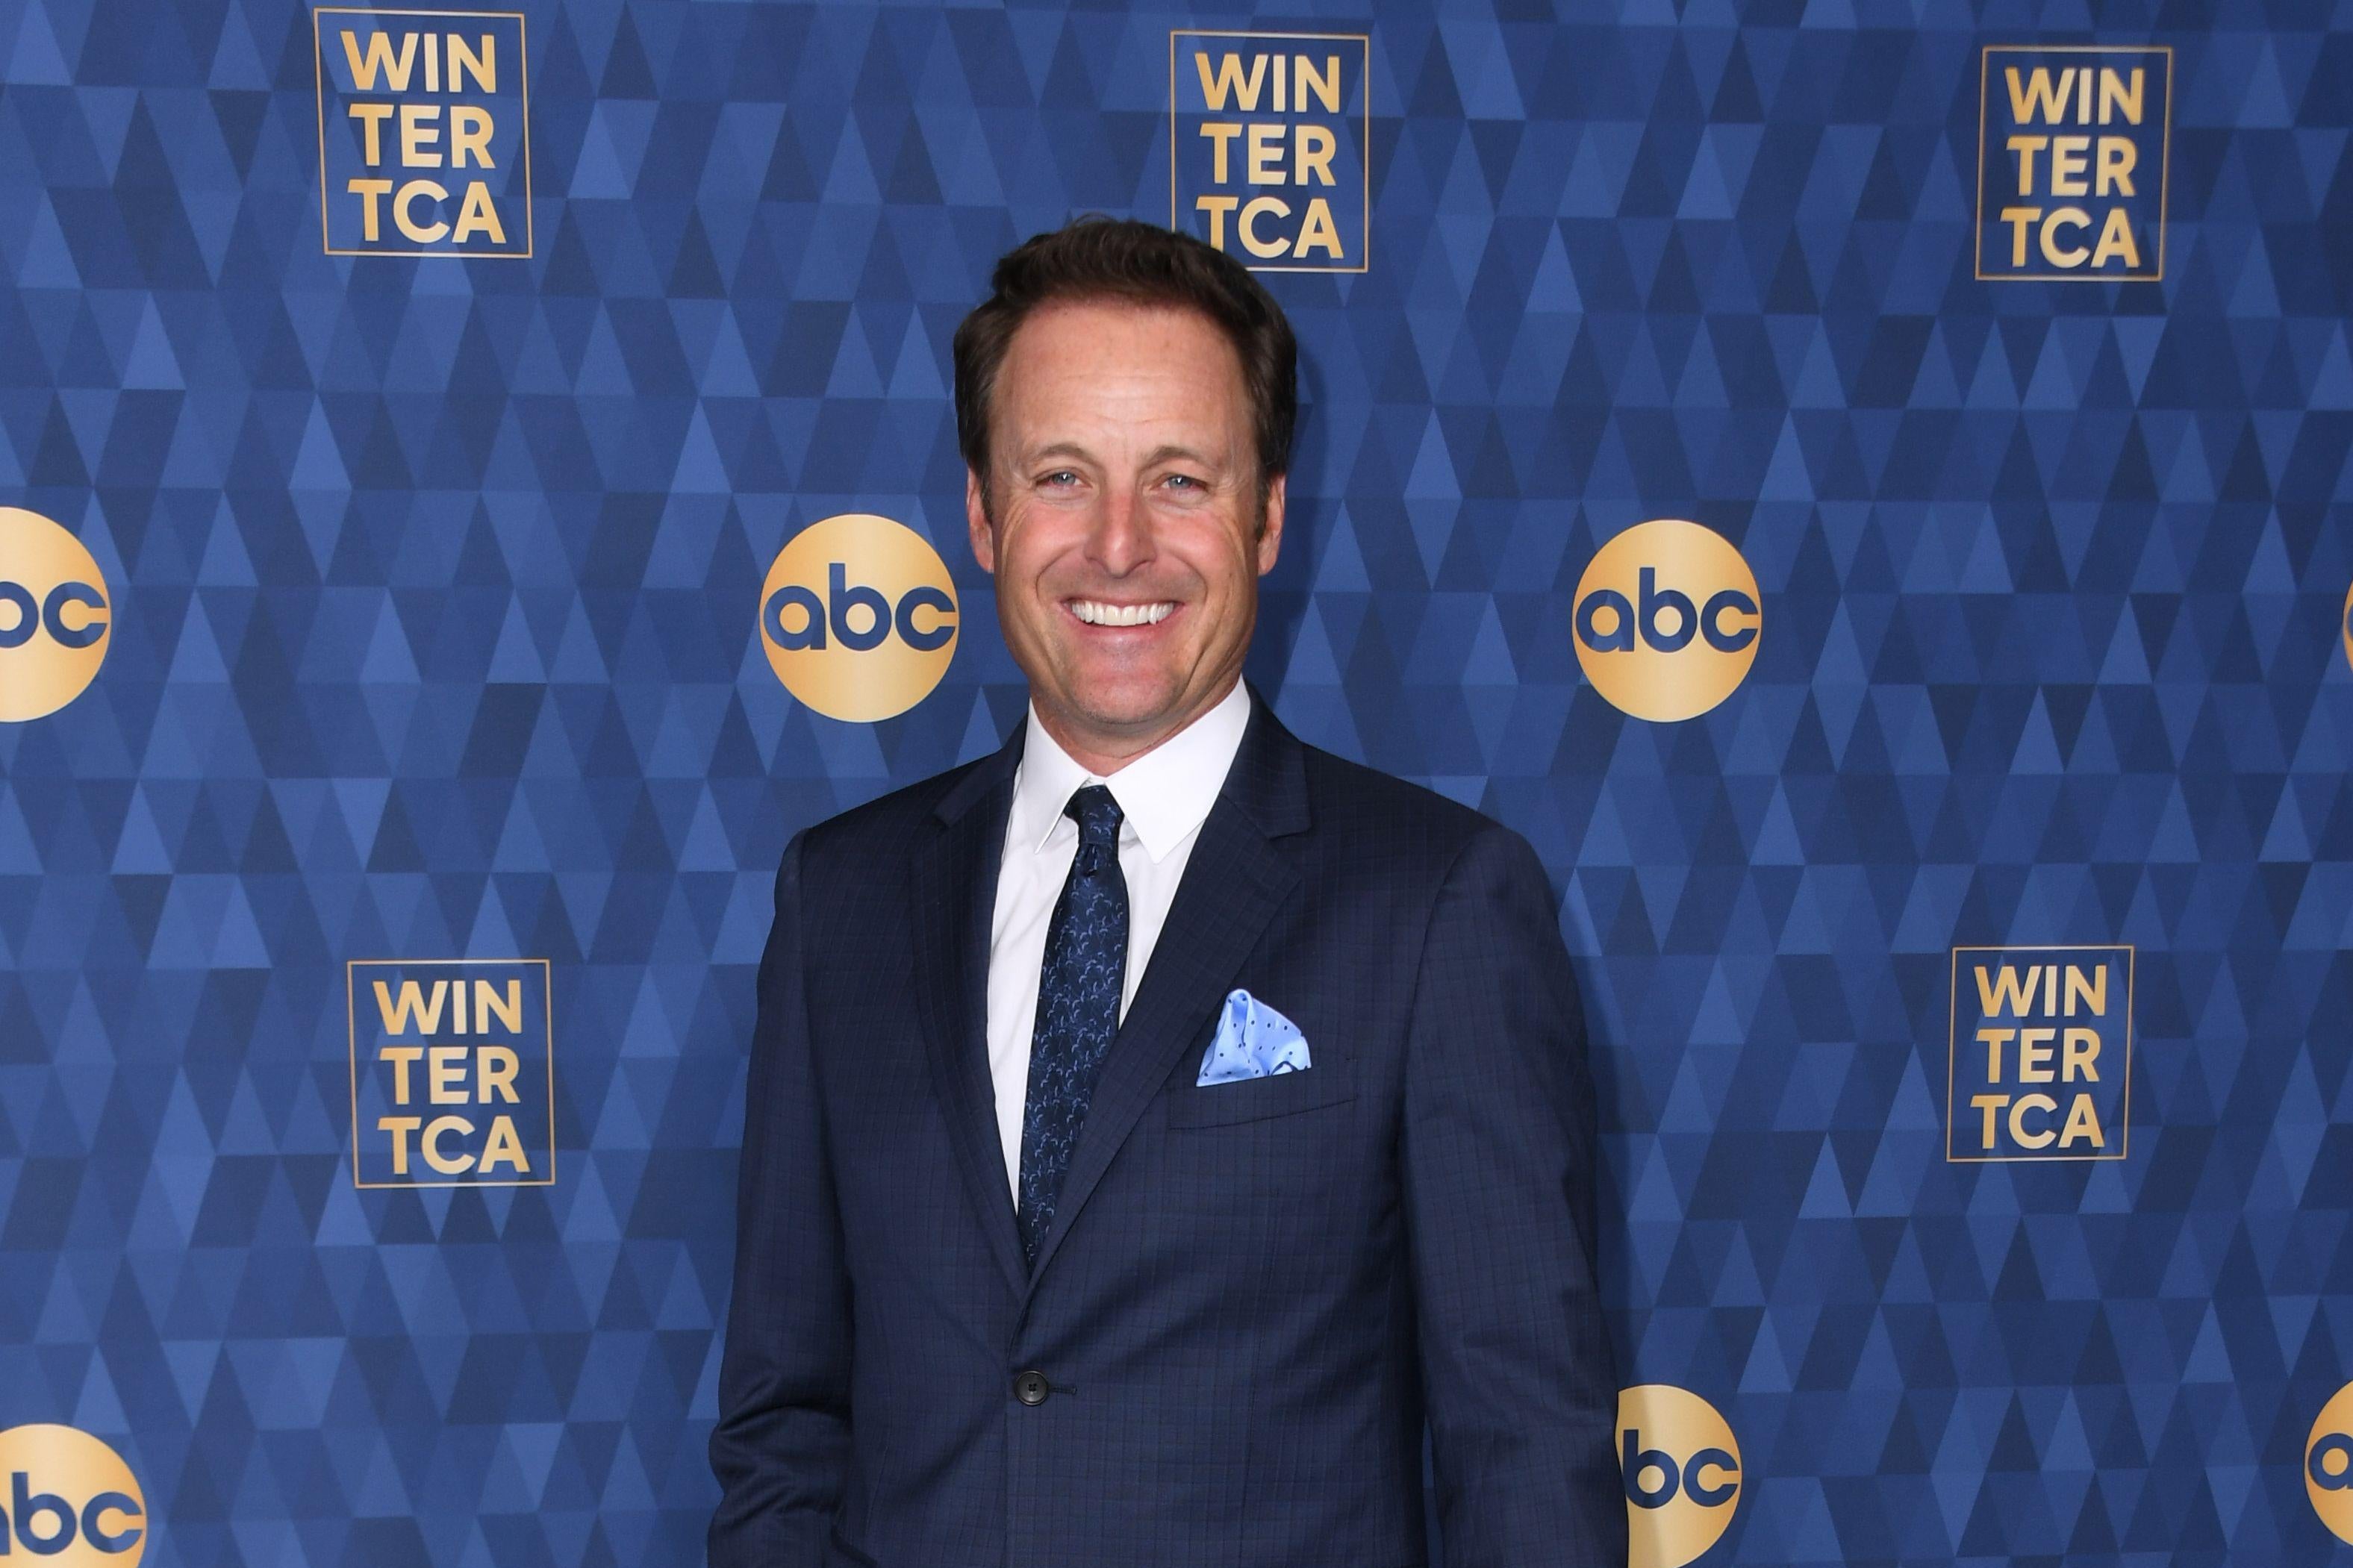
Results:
1518 1376
781 1446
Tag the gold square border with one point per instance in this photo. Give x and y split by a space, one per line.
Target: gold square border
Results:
1952 1053
2165 175
1366 246
523 42
352 1046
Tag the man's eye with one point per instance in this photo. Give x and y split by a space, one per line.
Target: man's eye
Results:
1185 481
1058 477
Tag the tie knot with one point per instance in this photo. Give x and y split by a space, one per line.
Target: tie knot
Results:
1097 815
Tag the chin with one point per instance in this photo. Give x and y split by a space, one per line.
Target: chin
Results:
1119 704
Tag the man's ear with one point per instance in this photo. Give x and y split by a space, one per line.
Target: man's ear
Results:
977 523
1270 531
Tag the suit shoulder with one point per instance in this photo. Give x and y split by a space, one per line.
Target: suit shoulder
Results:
1367 803
879 828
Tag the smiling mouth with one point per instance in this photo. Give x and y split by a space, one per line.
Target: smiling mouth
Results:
1103 613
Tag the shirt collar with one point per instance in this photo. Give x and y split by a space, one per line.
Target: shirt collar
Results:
1163 795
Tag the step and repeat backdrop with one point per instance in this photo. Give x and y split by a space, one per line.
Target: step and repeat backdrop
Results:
1864 487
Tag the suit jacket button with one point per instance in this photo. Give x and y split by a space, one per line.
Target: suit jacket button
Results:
1031 1387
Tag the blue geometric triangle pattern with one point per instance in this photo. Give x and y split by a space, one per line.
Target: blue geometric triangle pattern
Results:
433 634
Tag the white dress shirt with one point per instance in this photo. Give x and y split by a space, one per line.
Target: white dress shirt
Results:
1163 798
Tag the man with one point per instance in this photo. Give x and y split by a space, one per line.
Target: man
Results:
1152 1124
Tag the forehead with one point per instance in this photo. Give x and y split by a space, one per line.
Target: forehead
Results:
1113 363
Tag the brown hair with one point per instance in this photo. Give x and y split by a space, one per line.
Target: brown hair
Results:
1099 258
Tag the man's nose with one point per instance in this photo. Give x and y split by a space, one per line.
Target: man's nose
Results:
1122 533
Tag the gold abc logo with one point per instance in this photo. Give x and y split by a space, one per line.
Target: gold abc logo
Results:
54 619
2328 1464
1666 620
2345 626
858 616
1681 1472
70 1499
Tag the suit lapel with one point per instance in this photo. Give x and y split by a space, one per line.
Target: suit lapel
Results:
954 881
1236 878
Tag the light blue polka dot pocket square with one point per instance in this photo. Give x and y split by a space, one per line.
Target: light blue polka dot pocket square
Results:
1253 1040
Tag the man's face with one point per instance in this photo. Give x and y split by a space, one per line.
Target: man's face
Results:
1126 543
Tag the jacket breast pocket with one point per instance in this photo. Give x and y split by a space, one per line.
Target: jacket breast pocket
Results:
1256 1098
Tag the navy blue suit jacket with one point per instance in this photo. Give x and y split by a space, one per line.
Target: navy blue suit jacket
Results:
1254 1294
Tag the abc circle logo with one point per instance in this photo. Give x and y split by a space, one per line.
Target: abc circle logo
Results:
858 618
1666 620
70 1499
2328 1464
54 620
1682 1471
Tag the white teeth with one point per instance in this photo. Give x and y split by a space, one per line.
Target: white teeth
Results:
1096 612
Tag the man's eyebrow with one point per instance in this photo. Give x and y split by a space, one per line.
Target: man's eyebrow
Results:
1058 449
1162 454
1166 452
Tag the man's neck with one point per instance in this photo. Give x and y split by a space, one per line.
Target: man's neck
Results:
1102 755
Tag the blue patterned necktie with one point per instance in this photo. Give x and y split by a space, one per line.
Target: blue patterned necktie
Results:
1078 1008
